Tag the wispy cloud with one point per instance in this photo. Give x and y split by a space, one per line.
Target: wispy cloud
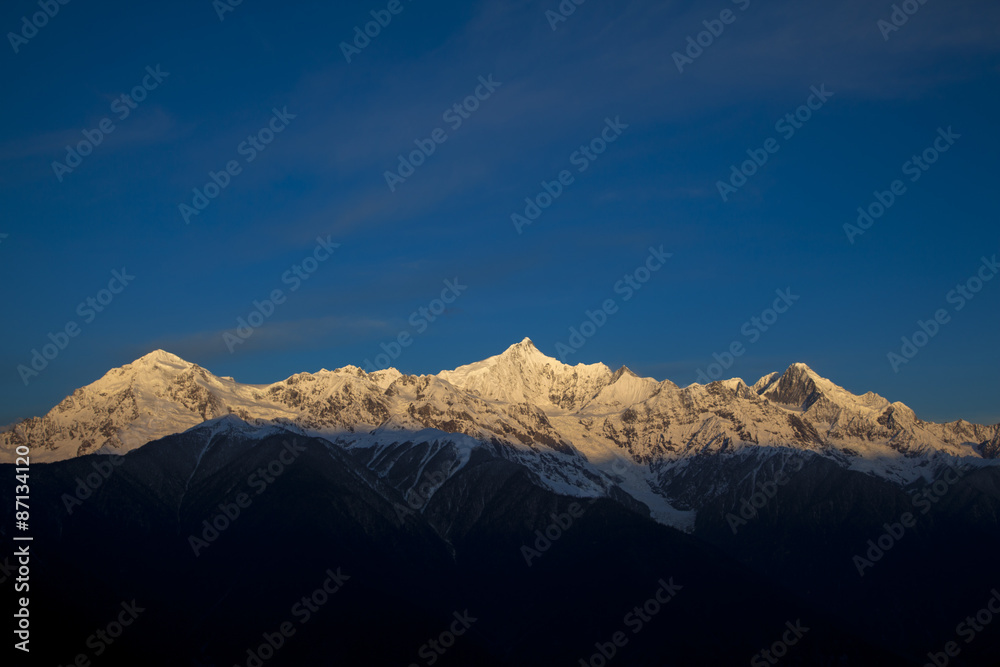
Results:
153 125
309 333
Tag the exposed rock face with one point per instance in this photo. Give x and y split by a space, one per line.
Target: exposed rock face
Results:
576 426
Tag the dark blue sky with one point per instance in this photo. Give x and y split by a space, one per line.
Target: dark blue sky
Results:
323 175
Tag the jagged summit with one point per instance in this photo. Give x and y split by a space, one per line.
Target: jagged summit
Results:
801 387
624 371
797 387
624 388
526 349
765 382
523 374
160 357
519 399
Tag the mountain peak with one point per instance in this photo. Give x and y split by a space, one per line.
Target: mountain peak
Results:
521 397
161 357
525 347
624 371
225 423
799 367
522 373
802 387
797 386
765 382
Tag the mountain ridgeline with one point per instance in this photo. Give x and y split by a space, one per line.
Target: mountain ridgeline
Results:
514 511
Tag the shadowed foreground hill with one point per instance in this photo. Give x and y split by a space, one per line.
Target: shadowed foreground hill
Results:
312 515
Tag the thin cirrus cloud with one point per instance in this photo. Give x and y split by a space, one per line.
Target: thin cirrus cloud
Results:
278 335
155 125
538 73
324 175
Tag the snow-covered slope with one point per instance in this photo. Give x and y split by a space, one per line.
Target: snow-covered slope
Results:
161 394
583 429
522 374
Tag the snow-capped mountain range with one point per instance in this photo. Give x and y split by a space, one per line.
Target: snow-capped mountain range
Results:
584 429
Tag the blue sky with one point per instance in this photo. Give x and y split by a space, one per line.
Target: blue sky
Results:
656 184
